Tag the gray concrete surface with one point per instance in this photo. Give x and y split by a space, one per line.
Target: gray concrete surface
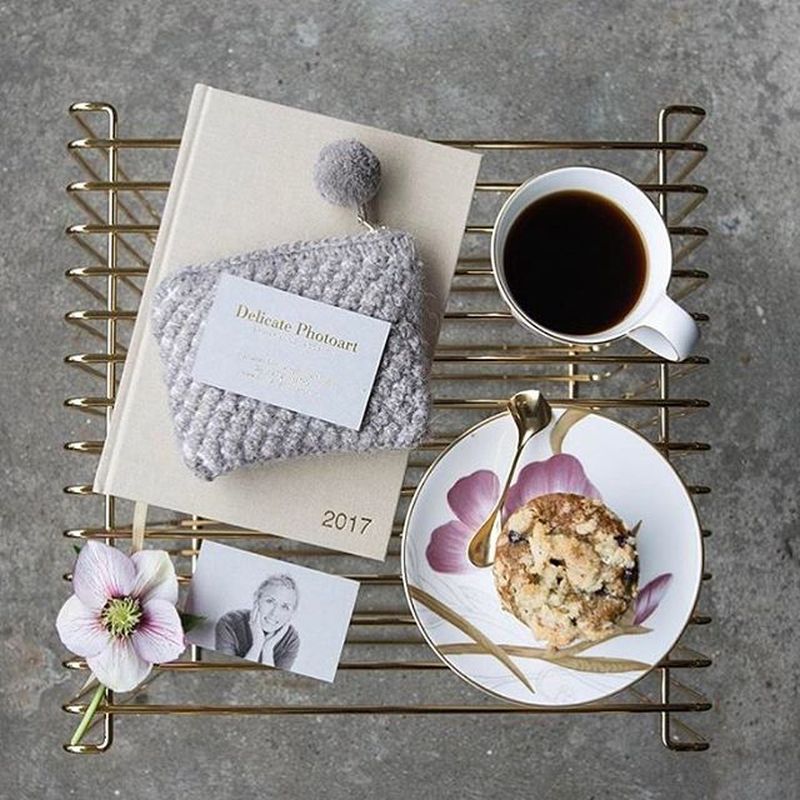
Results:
595 69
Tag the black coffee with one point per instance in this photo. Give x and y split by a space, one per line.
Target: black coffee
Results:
574 262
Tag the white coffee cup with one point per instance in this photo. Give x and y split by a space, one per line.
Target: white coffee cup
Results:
655 321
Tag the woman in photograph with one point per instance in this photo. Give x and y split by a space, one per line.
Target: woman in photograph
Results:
263 633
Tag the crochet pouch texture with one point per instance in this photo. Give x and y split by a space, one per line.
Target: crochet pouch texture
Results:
375 273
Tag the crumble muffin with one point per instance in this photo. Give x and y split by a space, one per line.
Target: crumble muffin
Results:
566 566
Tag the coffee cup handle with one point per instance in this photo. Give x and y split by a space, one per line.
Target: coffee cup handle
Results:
667 330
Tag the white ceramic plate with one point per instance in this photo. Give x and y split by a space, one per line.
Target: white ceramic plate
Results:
455 604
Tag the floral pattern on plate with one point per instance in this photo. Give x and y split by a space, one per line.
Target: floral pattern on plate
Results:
473 497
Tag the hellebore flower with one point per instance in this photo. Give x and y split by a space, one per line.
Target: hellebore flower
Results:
122 617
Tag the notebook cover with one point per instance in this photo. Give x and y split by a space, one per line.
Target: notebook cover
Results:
243 181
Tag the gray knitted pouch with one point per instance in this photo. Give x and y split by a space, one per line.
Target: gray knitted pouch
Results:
375 273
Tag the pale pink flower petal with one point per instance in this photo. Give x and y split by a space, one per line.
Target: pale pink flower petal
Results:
102 572
159 636
119 666
80 628
650 596
559 473
447 549
472 498
155 576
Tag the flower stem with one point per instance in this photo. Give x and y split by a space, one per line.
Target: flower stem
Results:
88 715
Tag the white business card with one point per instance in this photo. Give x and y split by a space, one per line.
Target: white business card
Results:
289 351
272 612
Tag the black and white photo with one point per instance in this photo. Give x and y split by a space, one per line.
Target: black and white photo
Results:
268 611
263 633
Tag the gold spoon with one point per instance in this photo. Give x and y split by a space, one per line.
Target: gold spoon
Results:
531 414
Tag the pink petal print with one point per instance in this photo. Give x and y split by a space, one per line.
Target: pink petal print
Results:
159 636
650 596
119 666
102 572
559 473
473 497
155 576
447 549
80 629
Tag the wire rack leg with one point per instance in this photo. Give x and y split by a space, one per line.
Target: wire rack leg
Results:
111 365
691 740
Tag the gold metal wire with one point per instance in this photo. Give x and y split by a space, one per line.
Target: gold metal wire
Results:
119 224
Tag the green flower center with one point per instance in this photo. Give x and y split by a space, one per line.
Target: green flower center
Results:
121 615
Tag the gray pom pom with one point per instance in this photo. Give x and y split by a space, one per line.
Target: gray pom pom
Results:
347 173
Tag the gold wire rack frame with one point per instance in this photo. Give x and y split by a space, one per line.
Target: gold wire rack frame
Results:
481 359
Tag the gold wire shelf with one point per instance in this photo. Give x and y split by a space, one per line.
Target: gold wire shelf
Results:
481 359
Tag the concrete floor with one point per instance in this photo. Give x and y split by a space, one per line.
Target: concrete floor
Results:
440 69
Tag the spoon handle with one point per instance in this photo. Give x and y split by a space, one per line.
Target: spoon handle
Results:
531 414
483 543
498 509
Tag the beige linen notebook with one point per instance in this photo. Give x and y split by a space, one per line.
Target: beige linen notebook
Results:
243 181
